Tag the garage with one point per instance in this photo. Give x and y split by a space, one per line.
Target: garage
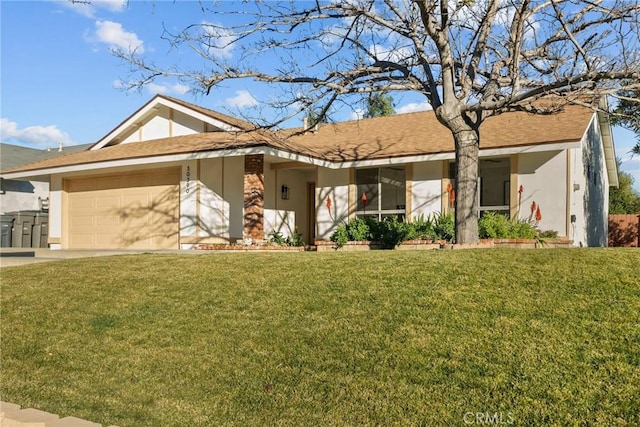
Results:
137 210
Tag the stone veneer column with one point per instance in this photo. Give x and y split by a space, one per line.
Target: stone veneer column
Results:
254 197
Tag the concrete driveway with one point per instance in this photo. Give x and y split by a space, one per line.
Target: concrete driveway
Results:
11 257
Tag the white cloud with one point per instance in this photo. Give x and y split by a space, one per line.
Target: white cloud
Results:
356 114
39 136
166 89
90 9
119 84
413 107
242 99
393 54
218 41
115 36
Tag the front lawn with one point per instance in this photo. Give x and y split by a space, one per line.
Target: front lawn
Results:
529 337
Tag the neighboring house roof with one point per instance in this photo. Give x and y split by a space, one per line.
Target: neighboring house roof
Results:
394 136
12 156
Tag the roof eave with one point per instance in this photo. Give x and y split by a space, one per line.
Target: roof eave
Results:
608 144
299 156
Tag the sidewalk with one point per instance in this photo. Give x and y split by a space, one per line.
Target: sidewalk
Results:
12 415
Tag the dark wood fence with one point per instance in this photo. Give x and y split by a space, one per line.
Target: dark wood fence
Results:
624 230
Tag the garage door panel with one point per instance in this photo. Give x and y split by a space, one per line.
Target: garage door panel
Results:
82 241
106 240
108 201
142 213
107 220
82 202
87 221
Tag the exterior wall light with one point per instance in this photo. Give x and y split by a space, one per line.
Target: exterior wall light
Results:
285 192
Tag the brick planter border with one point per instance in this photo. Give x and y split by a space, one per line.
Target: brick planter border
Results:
324 246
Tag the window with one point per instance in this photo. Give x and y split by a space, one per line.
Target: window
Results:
384 192
494 175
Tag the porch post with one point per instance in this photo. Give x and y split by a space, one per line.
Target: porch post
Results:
254 197
513 187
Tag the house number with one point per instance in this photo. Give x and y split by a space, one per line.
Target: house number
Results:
188 180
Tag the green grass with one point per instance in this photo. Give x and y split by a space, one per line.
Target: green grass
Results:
541 337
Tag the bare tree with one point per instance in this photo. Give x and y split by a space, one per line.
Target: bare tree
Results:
471 59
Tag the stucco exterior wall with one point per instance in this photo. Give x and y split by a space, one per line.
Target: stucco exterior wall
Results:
332 184
189 199
164 124
211 201
287 216
577 231
214 209
596 197
590 191
426 188
185 125
56 200
233 190
157 127
22 195
543 177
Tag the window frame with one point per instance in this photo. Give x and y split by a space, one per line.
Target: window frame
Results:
378 212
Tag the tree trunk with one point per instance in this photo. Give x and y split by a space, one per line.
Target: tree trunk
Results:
467 150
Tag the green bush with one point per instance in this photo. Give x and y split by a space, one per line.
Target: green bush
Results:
548 234
295 240
493 226
340 237
359 229
276 238
390 232
497 226
444 226
422 228
521 229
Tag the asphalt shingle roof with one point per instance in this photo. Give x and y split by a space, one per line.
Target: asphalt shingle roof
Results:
378 138
12 156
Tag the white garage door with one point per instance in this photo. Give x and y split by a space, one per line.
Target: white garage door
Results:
125 211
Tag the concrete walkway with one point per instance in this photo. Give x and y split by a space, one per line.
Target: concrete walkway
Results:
12 415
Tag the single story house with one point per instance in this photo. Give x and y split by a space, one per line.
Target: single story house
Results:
21 195
175 175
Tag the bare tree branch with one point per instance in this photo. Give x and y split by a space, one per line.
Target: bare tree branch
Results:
471 59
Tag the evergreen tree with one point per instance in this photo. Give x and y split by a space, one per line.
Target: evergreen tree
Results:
627 114
379 104
624 199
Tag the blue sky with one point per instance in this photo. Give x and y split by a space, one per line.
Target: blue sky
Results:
59 81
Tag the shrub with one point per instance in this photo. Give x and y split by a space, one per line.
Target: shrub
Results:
493 226
340 237
277 238
444 226
358 229
295 240
422 228
390 232
497 226
522 229
548 234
